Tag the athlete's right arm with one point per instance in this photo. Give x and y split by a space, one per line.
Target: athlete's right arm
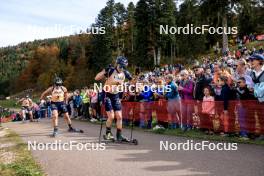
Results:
100 75
46 92
66 96
20 100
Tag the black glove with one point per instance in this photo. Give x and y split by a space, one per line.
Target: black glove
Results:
107 70
128 75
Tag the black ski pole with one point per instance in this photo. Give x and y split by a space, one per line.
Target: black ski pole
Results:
101 128
101 119
132 126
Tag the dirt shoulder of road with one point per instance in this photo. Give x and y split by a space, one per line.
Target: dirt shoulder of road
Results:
15 158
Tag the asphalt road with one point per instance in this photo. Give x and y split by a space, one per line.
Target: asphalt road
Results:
146 159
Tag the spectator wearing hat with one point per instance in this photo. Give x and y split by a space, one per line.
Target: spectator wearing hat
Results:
241 71
257 62
200 83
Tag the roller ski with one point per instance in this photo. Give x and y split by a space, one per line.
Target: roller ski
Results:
119 139
123 140
54 134
75 130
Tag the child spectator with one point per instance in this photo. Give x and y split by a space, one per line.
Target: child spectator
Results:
208 110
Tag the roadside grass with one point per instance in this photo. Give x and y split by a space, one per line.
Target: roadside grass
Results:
197 134
22 162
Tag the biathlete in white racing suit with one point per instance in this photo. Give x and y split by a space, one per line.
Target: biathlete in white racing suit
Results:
115 76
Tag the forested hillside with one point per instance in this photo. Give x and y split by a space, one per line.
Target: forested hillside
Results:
133 31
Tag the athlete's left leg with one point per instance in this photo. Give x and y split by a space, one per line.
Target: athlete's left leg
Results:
30 115
67 118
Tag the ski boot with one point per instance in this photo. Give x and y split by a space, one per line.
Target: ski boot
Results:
54 134
109 136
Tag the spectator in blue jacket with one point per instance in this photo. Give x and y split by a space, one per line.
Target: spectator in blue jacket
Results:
146 96
174 102
77 102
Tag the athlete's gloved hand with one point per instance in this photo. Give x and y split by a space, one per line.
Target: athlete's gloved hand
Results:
107 69
128 75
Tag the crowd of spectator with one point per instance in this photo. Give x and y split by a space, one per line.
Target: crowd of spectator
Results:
195 90
235 77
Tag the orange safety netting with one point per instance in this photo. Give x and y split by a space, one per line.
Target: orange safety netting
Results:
246 116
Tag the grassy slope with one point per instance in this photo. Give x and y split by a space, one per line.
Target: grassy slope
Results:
8 103
255 44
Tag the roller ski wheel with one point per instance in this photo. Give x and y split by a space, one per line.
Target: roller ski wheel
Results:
75 130
54 134
35 120
121 139
132 141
